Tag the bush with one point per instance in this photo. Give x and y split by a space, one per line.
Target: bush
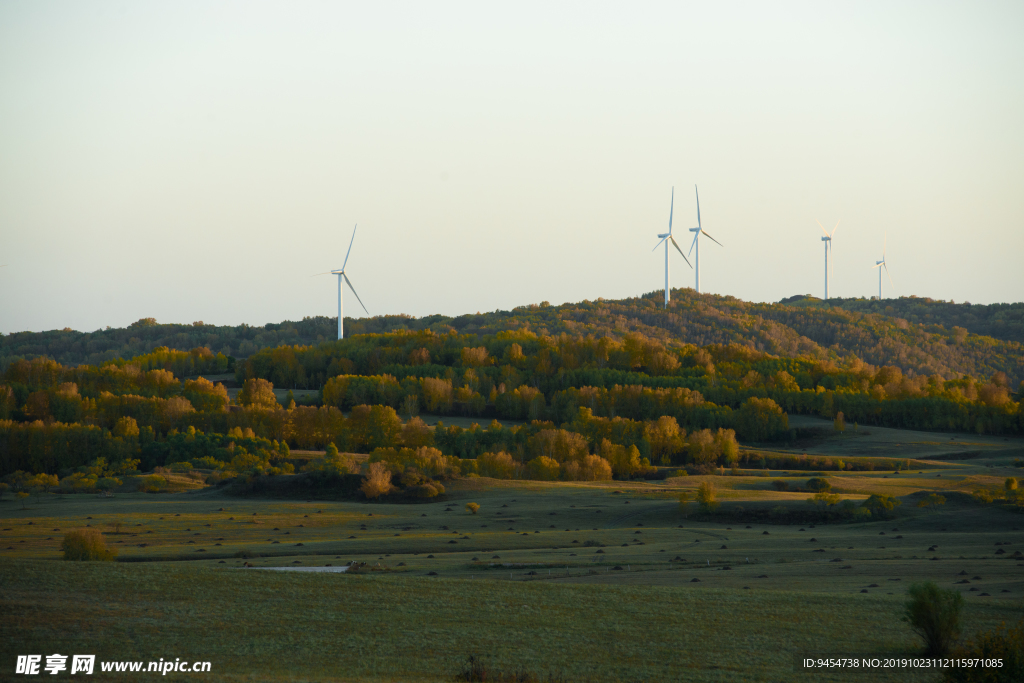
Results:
818 485
473 507
1001 643
881 506
934 614
706 496
84 545
780 485
154 483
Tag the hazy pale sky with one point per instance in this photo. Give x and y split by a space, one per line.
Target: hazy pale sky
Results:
201 160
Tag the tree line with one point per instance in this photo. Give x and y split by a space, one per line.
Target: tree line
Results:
919 336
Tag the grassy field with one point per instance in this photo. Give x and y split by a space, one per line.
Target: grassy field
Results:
606 581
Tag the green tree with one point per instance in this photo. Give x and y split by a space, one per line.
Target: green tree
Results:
881 506
761 419
1002 643
934 614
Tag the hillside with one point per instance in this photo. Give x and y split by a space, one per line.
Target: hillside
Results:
919 336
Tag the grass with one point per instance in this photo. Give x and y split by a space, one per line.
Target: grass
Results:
522 583
266 625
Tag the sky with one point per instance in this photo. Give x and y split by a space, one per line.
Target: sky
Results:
205 160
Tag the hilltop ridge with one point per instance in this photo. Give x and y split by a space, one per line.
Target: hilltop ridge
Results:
918 335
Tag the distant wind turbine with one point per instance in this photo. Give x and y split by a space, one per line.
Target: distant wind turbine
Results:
880 265
667 237
697 232
827 239
341 276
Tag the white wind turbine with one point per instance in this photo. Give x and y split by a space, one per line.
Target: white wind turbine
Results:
341 276
880 265
667 237
827 239
697 232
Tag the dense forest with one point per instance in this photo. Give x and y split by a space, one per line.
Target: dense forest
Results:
999 321
592 394
919 336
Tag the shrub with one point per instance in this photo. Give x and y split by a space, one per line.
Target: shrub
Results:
684 499
152 484
931 499
83 545
934 614
1002 643
706 496
473 507
780 485
881 506
428 489
818 485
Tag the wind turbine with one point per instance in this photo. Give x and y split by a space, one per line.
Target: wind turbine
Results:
697 232
341 276
827 239
667 237
880 265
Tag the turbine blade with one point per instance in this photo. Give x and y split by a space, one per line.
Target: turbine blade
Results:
835 228
694 242
318 274
710 238
885 240
823 229
889 276
878 265
676 245
659 244
354 292
698 204
671 206
349 249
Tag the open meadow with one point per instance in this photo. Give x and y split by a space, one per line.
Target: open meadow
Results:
602 581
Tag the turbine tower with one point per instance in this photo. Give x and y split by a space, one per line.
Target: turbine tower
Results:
667 237
827 239
341 276
880 265
697 232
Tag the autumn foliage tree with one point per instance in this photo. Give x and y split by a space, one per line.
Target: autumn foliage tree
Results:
84 545
377 480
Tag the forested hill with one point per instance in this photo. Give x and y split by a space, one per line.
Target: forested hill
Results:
920 336
1001 321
